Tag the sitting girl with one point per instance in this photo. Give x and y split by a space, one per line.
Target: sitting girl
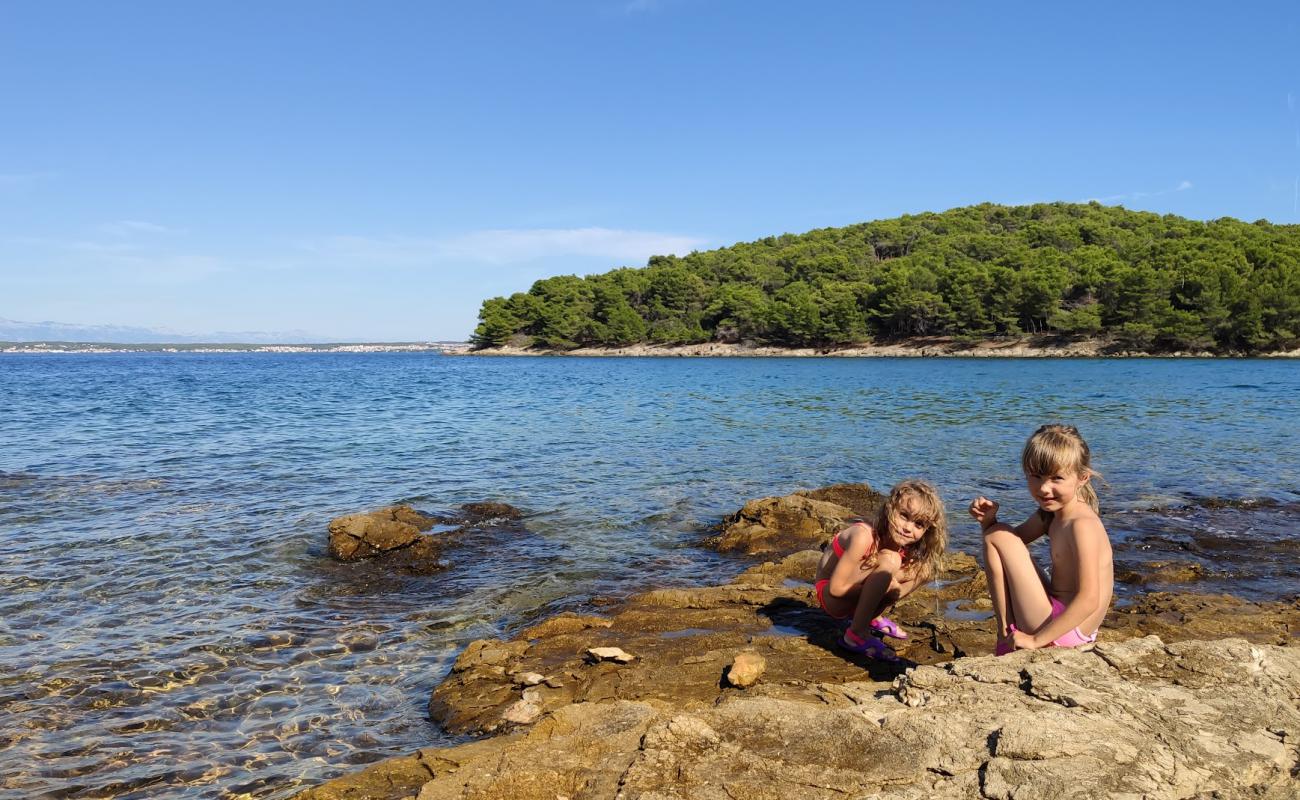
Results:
1066 608
870 567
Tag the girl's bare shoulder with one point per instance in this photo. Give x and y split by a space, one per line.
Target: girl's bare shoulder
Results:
1084 525
859 535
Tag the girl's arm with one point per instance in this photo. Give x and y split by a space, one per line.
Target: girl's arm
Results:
985 512
1031 529
848 572
1086 535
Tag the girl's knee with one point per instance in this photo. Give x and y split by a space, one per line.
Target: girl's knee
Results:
999 532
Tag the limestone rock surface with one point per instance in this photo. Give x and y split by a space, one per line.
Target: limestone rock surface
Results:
1137 718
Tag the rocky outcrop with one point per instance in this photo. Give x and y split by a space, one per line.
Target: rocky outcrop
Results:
400 532
683 641
385 530
1137 718
739 690
780 525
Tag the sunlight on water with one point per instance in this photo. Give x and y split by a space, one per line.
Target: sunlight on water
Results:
171 626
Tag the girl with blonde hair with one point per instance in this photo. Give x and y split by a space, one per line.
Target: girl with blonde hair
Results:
1065 608
871 566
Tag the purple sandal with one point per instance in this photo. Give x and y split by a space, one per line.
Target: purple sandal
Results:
870 647
1004 646
888 627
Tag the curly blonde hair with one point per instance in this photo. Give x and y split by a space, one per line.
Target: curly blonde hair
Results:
926 555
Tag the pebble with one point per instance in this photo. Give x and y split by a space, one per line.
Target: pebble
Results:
746 669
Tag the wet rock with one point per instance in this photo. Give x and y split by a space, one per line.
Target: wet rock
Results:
399 534
475 513
1162 572
746 669
357 536
1179 616
798 521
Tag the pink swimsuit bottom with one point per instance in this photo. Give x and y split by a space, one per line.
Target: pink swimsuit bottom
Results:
1072 638
819 588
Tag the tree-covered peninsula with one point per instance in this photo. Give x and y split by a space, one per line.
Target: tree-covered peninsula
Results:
1145 281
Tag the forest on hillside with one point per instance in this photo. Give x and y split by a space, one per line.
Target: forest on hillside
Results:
1147 281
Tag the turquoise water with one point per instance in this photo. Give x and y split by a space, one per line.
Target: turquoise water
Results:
171 626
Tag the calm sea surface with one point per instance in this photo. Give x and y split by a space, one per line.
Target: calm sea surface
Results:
170 624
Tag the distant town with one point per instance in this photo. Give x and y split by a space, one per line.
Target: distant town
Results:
223 347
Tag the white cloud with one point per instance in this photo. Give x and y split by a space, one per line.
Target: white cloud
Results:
506 246
23 178
131 227
1182 186
499 246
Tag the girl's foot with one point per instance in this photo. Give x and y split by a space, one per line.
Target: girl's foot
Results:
870 646
888 627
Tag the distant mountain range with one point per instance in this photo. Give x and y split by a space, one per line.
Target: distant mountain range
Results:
15 331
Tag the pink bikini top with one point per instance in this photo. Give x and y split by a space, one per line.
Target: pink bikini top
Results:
838 548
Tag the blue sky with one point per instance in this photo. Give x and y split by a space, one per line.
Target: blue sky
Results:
374 171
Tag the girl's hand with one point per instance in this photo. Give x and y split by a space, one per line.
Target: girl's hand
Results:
984 510
1024 641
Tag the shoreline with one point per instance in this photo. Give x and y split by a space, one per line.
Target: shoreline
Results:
924 347
82 348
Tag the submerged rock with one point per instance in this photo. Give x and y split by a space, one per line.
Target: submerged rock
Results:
385 530
400 533
474 513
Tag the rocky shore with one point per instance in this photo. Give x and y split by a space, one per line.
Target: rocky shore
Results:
1042 346
737 690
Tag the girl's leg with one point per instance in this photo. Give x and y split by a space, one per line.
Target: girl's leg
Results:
873 598
1014 585
839 607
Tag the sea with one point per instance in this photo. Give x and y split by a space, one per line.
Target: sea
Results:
171 624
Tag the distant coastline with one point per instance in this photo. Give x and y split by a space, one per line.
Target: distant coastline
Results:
151 347
1030 346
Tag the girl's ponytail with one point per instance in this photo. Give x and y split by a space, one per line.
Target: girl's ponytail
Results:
1089 494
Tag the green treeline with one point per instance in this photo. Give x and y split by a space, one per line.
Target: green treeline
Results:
1148 281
